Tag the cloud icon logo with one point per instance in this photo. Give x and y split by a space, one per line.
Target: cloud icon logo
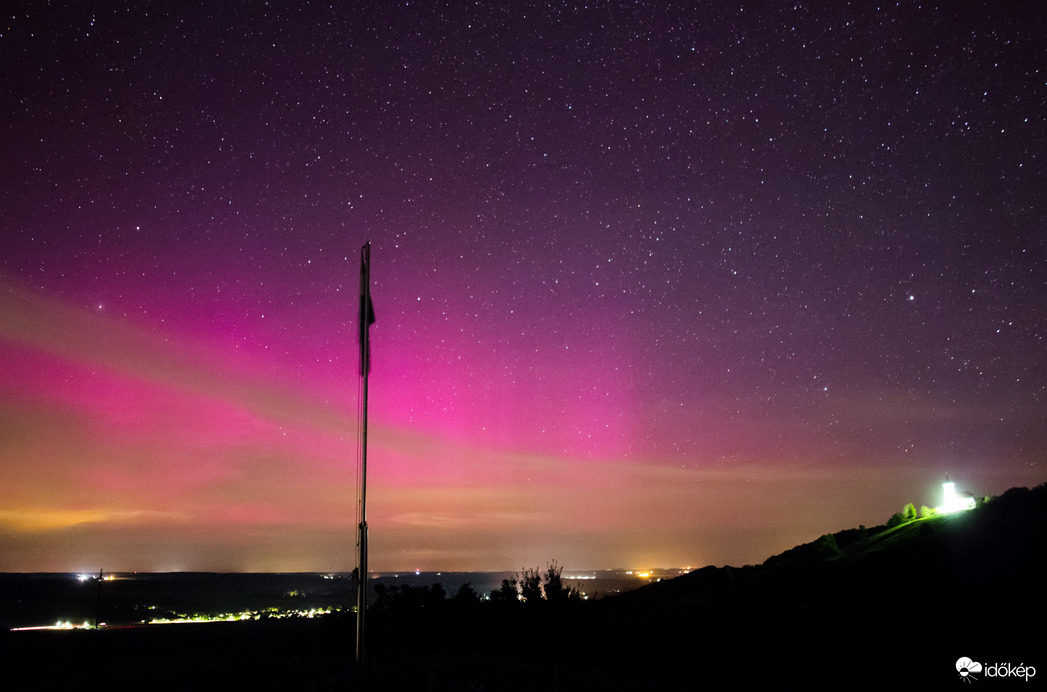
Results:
966 668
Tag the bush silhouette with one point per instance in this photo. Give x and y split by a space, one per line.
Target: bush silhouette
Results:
556 591
531 585
508 593
897 519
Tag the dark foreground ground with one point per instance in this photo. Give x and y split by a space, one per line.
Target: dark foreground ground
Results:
825 652
223 655
280 654
859 609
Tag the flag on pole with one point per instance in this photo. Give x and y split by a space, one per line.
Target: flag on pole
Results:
366 309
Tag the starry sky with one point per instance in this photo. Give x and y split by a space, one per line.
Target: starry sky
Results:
656 283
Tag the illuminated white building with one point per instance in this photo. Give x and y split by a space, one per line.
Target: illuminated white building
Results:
954 502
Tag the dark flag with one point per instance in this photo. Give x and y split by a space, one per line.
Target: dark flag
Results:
366 309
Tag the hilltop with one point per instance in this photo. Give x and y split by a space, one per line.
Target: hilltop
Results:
891 605
899 605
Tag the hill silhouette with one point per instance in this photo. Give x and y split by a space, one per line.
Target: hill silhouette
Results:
862 607
865 608
894 606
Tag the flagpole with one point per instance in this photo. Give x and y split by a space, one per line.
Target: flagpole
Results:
366 318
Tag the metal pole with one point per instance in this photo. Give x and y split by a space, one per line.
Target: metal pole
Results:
98 599
366 317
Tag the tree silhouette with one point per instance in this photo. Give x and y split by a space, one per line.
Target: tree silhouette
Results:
556 591
508 593
897 519
531 585
910 512
466 595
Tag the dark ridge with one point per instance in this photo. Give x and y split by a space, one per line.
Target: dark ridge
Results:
897 605
862 608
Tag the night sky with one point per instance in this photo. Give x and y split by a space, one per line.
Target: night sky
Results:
656 285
